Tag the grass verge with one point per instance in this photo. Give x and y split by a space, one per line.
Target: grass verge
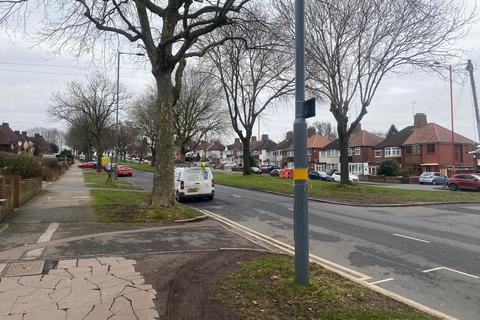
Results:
265 288
138 166
134 206
357 193
93 180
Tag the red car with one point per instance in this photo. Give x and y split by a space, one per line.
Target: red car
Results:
88 165
124 171
464 182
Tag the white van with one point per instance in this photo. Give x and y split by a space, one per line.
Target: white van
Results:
194 182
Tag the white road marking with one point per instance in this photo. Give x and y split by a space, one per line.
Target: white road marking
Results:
291 209
411 238
4 227
382 281
45 237
452 270
235 196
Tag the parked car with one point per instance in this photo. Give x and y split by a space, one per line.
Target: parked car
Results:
275 172
319 175
230 164
464 182
194 182
336 177
124 171
269 167
432 178
88 165
256 170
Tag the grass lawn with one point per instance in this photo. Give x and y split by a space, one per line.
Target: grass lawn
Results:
138 166
358 193
264 288
134 206
100 181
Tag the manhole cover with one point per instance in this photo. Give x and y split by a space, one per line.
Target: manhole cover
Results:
24 269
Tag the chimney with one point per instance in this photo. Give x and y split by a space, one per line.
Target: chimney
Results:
37 135
290 135
419 120
17 132
311 131
357 128
254 139
24 133
264 137
4 124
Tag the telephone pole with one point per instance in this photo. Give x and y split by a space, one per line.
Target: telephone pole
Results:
474 92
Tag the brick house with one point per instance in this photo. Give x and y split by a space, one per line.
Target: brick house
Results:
264 150
235 152
360 153
284 151
429 148
315 142
9 141
391 147
215 151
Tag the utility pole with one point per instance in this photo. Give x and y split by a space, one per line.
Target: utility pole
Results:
300 176
474 92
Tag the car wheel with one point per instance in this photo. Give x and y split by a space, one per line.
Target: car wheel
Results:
453 187
434 182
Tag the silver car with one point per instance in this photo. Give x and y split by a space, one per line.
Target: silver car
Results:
432 178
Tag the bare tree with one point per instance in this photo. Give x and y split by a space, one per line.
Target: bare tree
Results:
167 30
352 44
79 138
53 136
326 129
199 111
90 104
254 72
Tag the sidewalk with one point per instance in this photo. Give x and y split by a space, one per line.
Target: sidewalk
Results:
58 262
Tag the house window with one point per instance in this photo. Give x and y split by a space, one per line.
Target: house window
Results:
392 152
408 150
416 149
349 152
357 151
458 152
378 153
431 148
290 154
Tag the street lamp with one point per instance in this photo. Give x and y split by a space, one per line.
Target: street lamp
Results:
449 66
119 53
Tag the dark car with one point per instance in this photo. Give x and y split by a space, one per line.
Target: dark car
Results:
268 167
256 170
275 173
464 182
319 175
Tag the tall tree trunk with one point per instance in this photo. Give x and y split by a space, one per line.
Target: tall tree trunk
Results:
163 185
246 156
343 137
99 156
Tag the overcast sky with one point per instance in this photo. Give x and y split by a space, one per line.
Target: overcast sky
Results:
28 77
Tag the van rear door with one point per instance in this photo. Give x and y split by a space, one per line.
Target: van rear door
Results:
198 181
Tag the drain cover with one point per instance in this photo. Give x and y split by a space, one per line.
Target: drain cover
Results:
24 269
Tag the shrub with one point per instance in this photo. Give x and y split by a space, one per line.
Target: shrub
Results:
24 166
402 172
388 167
50 163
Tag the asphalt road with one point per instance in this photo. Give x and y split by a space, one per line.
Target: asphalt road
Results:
428 254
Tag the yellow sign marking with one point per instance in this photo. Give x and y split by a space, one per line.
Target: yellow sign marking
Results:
300 174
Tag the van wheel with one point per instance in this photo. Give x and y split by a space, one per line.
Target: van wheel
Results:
453 187
209 197
177 197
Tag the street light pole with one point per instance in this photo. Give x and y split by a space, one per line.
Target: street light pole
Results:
300 176
451 115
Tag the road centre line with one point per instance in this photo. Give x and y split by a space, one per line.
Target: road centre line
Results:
382 281
411 238
452 270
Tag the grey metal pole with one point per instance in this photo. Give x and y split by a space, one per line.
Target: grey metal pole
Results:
300 205
474 92
117 102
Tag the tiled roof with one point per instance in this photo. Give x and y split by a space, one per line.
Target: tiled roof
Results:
40 142
216 146
317 141
7 136
435 133
237 145
396 139
361 138
268 145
